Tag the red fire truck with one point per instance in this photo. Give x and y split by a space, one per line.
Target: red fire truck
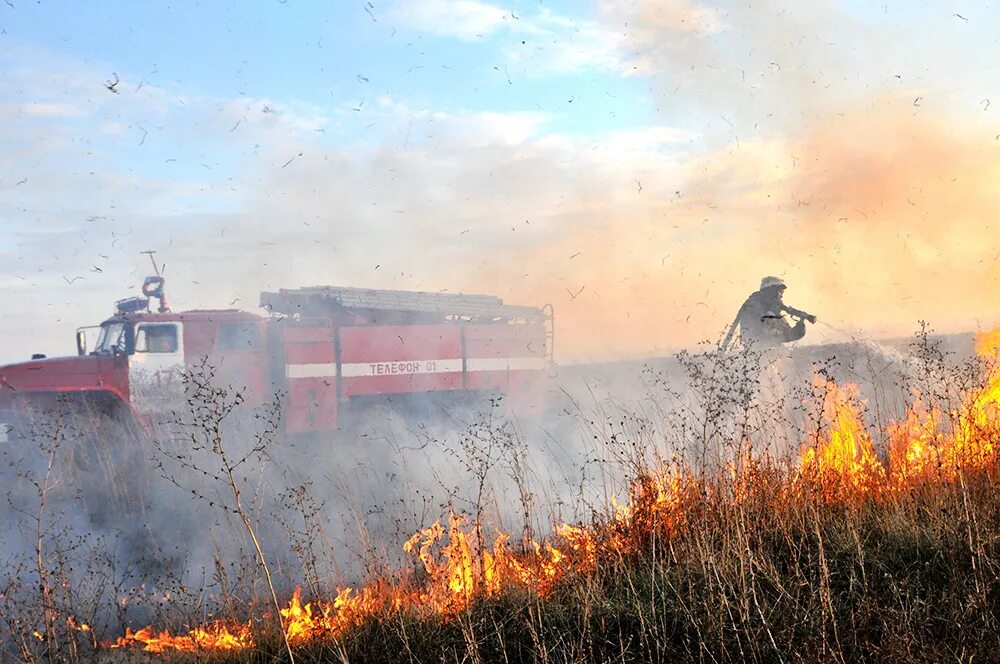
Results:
322 349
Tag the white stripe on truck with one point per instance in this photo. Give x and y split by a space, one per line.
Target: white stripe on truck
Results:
413 367
311 370
505 363
527 363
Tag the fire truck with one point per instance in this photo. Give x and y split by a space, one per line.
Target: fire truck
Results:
321 350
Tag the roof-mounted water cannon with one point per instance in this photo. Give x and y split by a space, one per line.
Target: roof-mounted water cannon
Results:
154 286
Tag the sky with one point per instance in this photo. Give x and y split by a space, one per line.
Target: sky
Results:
638 164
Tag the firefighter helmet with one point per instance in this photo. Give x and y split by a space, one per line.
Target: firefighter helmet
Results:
768 282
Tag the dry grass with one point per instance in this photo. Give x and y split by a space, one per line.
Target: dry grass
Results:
755 562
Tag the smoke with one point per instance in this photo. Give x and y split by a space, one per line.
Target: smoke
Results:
793 140
861 174
327 511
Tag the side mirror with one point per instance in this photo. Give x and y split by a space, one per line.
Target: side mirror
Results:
81 342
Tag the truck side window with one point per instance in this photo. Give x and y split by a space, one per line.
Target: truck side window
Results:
244 335
156 339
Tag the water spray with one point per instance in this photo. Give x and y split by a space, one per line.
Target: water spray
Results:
858 337
850 333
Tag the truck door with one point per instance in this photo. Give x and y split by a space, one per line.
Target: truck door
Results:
156 367
311 374
504 357
241 359
487 352
399 359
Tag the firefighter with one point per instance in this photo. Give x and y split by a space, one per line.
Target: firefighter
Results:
762 320
763 327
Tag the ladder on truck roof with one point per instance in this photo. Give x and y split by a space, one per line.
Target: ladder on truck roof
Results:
316 299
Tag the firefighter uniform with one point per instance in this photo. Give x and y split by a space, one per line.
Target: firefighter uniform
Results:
762 322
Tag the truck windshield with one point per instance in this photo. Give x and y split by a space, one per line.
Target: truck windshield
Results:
111 339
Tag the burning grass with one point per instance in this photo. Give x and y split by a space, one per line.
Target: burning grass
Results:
774 576
878 545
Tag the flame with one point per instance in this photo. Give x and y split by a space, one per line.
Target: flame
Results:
214 636
454 571
842 463
988 343
74 625
932 444
927 444
455 564
917 447
313 620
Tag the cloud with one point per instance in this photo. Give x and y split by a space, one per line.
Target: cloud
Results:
44 110
679 16
558 44
538 41
462 19
752 68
